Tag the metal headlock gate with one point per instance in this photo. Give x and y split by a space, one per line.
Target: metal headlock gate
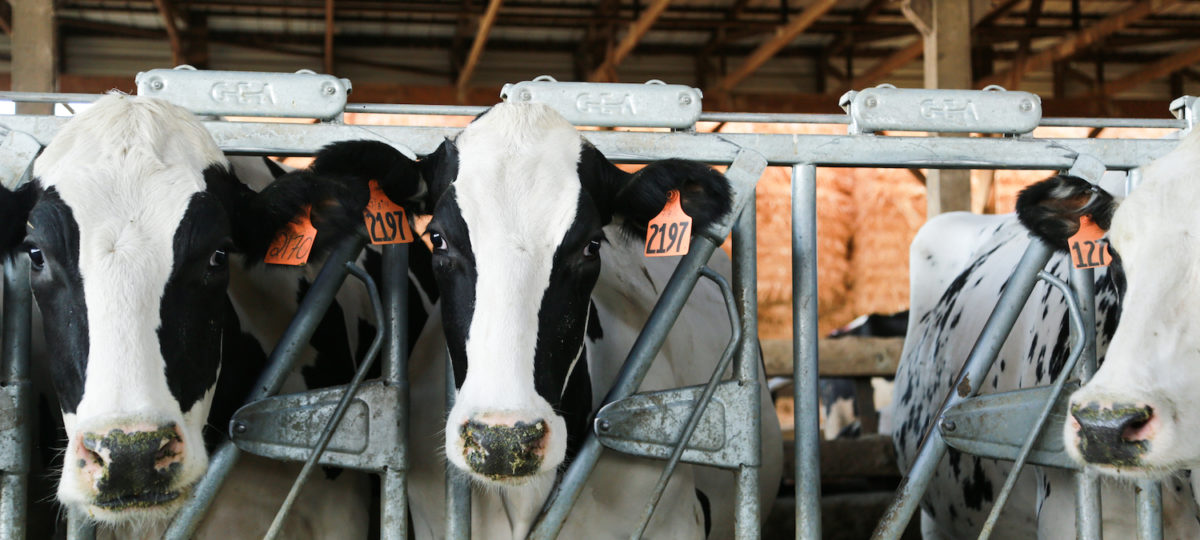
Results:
373 415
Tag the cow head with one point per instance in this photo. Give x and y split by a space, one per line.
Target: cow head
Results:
1139 414
128 227
519 201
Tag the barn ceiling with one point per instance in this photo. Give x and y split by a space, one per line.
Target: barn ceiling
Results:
1117 57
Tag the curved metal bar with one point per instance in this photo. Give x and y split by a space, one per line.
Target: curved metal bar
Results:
705 398
1076 317
343 404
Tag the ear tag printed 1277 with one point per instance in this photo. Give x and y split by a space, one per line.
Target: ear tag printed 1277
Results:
385 220
1088 247
293 243
669 233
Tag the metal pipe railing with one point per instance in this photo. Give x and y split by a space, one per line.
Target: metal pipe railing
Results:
804 353
14 381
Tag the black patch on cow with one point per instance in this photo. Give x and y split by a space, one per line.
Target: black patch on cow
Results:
978 488
192 305
706 508
58 288
242 360
14 211
273 167
456 275
594 331
334 363
576 407
1051 209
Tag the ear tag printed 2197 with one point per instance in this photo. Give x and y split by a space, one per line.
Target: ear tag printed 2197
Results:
385 220
1088 247
293 243
669 233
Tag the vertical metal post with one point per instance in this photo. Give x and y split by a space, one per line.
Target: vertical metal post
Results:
1087 483
393 502
1149 510
80 527
14 479
458 486
970 377
746 360
807 444
279 366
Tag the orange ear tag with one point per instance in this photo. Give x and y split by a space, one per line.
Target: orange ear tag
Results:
385 220
293 243
669 233
1089 248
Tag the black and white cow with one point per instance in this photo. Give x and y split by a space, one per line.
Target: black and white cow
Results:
142 243
1134 419
543 290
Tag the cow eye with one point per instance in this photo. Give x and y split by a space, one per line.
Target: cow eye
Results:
217 259
36 258
438 241
592 249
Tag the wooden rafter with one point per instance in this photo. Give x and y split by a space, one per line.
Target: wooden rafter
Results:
328 56
6 18
784 35
168 14
1031 18
886 66
1158 69
606 71
481 36
1077 41
861 17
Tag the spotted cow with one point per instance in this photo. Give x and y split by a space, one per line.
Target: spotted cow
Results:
1134 418
537 254
155 317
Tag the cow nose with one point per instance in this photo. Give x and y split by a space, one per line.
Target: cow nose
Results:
132 467
1116 435
502 450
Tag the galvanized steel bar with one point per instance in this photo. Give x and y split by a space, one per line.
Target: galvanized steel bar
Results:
401 108
748 522
458 485
1087 483
393 501
648 343
279 366
807 446
978 362
1149 510
693 420
79 527
18 313
1077 350
49 97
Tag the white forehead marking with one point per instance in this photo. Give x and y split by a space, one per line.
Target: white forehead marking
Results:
127 167
518 189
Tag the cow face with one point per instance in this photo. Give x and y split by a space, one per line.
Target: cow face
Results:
1139 414
128 230
519 201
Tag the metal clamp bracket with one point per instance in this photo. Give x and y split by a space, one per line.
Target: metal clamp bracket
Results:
653 104
996 425
287 427
991 110
1184 108
649 425
303 94
17 152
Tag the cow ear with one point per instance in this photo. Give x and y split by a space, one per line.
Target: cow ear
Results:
14 212
705 194
1051 209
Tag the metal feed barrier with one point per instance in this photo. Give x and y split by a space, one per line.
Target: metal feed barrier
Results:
363 425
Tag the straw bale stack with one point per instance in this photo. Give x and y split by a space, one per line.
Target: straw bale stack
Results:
889 207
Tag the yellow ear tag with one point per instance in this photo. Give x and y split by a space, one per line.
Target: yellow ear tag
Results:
293 243
1088 247
669 233
385 220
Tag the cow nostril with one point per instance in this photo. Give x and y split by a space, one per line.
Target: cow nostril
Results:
1117 434
1137 428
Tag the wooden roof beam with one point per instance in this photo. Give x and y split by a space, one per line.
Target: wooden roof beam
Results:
328 49
1156 70
1078 41
481 36
6 18
783 36
606 71
885 67
168 14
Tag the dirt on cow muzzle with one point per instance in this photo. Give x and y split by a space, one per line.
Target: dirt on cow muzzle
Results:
1103 433
500 452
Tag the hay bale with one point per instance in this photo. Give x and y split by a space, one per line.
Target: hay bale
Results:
889 208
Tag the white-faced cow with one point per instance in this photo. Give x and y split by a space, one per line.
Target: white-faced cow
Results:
537 318
1136 418
142 243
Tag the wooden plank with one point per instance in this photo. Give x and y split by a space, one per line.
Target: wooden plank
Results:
328 56
1156 70
948 65
168 14
1078 41
33 52
481 36
606 71
886 66
867 456
783 36
849 356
